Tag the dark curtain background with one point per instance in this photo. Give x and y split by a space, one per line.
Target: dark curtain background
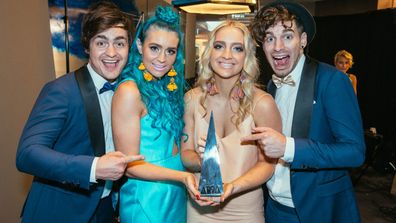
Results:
371 38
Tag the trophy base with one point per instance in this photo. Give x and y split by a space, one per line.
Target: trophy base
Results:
214 199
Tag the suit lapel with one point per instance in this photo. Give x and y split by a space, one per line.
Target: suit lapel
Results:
92 109
271 88
304 101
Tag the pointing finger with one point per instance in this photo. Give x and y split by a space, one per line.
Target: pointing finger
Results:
132 158
252 137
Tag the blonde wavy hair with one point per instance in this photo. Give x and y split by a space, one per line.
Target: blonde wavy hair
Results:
346 54
250 71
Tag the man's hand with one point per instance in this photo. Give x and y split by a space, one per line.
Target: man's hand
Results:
271 141
111 166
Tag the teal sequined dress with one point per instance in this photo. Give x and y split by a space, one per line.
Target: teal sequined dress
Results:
154 201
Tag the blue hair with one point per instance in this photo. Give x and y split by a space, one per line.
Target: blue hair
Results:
165 107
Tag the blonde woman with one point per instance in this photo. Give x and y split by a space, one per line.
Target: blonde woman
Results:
227 87
343 60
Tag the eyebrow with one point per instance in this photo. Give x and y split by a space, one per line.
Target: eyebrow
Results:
283 31
101 37
160 46
232 44
120 38
288 30
104 37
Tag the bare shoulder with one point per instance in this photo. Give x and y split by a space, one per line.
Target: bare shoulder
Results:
127 97
192 95
265 111
127 90
262 99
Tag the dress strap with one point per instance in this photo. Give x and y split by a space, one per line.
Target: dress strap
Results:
257 99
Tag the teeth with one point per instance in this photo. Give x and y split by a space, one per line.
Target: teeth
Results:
279 57
159 67
227 65
110 61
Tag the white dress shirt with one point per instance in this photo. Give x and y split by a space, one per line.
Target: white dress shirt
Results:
285 98
105 108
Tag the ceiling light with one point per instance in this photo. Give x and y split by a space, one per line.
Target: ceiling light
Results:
218 7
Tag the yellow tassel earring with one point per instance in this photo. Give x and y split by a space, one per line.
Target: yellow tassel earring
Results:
172 72
146 75
141 66
172 85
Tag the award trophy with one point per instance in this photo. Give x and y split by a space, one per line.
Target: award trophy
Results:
210 183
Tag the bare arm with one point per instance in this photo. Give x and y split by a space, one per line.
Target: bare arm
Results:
127 110
190 158
264 114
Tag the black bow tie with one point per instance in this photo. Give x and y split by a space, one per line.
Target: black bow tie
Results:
106 87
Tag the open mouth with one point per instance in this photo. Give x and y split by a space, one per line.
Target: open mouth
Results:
111 64
281 60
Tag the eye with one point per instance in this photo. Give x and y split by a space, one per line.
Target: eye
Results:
154 48
170 52
288 37
269 39
120 44
101 44
238 49
217 46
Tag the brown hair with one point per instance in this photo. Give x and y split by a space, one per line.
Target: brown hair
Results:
100 17
267 17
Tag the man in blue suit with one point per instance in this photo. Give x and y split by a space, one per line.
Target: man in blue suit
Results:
321 124
67 141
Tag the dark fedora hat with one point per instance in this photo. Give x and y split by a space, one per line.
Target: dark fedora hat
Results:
304 17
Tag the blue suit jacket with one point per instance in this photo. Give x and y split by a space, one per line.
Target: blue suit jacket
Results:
329 138
63 134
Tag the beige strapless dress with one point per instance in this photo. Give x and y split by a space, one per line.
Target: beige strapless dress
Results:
235 160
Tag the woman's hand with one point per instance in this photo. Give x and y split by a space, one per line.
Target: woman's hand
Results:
201 146
229 189
191 185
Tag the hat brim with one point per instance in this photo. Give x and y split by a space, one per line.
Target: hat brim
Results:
303 16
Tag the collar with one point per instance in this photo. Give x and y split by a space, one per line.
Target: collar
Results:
98 80
297 71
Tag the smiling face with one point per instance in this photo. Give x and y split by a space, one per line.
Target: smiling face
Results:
108 52
228 52
158 50
343 64
283 46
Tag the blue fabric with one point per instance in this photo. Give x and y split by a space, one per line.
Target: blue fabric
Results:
55 147
276 212
154 201
321 187
107 87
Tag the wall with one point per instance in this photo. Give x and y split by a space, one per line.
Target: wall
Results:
26 64
344 7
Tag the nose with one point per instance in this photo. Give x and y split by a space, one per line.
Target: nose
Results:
279 44
227 54
162 57
111 51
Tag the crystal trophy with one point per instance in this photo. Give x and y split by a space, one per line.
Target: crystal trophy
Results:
210 183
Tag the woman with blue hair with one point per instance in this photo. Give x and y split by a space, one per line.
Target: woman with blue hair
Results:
147 119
